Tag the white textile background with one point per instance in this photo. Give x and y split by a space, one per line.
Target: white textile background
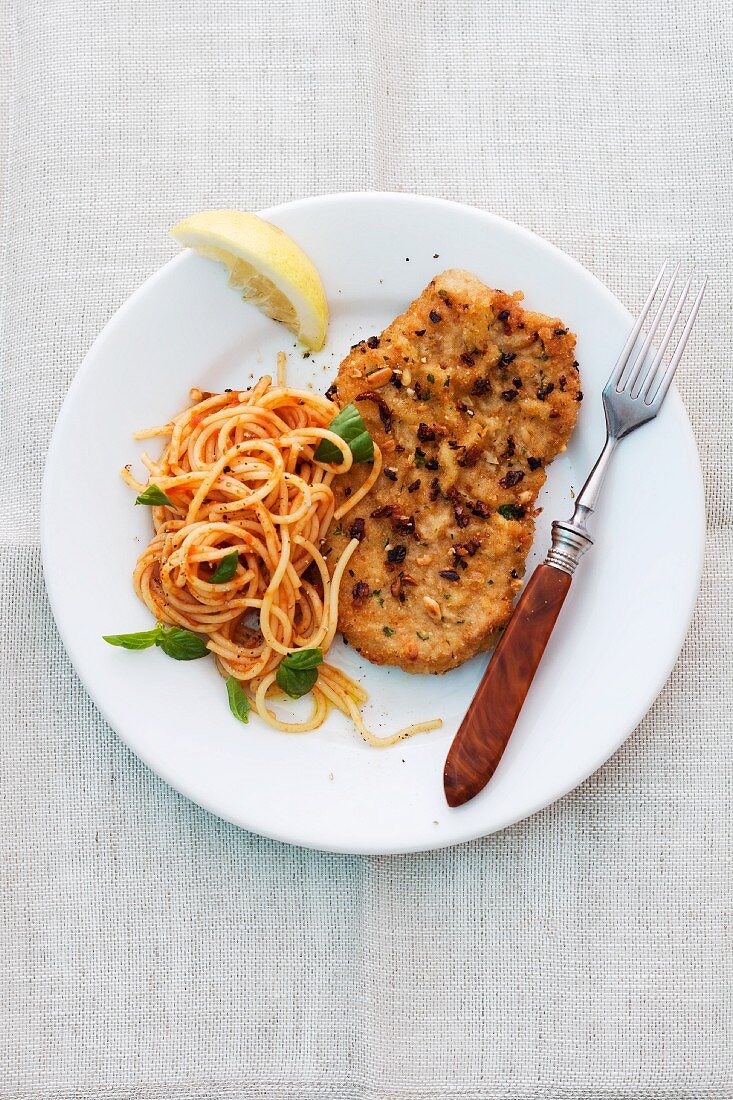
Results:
152 952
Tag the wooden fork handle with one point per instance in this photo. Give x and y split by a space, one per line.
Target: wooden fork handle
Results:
483 735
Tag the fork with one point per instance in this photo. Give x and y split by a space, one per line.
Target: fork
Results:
633 396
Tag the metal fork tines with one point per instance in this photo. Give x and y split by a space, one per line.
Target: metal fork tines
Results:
636 373
633 395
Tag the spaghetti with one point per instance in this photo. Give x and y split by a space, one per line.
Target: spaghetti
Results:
240 473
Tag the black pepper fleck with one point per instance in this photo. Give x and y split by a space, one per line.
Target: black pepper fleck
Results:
449 575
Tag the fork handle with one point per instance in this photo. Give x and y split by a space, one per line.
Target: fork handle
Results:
485 731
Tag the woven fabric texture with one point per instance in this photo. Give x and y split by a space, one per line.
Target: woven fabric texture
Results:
152 952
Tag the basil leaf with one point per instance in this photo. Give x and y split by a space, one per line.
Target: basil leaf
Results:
352 429
238 701
154 497
295 682
181 645
226 569
144 639
362 447
303 658
298 671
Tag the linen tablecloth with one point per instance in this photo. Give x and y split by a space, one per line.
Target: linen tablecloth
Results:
152 951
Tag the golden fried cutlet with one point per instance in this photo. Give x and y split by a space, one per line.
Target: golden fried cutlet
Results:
469 397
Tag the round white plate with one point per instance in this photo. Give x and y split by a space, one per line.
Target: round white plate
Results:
617 639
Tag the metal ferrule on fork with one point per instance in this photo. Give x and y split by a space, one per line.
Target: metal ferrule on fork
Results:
569 543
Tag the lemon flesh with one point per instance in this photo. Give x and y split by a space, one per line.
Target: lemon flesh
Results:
265 265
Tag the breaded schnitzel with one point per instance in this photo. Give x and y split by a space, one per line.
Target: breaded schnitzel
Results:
469 397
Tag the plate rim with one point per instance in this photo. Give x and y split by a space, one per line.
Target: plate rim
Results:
694 567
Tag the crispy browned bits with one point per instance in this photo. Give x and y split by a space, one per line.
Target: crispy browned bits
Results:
415 485
461 515
383 510
481 509
425 433
511 478
397 554
534 463
471 455
435 317
509 395
434 489
360 592
356 531
332 391
385 414
373 342
397 587
390 473
404 524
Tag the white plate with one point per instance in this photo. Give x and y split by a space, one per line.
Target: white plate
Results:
618 636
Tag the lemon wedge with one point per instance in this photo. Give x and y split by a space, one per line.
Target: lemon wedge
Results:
264 264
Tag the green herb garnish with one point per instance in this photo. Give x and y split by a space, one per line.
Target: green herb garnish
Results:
238 701
226 568
298 672
422 637
388 631
143 640
511 511
180 644
154 497
352 429
430 377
